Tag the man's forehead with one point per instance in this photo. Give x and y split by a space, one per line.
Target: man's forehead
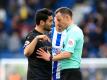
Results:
58 14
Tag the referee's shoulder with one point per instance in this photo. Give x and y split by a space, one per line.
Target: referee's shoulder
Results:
77 29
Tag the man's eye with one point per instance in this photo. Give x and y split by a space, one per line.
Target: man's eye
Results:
58 19
51 21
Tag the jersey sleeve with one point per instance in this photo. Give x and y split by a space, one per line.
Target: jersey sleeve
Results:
28 39
70 43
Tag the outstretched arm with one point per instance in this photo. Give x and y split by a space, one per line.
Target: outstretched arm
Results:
47 56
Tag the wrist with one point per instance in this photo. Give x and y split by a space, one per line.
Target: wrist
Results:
50 58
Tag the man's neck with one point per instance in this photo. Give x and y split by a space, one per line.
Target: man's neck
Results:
59 30
39 29
69 23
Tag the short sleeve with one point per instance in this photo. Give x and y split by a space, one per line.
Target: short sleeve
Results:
70 43
28 39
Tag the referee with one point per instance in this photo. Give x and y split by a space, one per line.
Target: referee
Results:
70 56
39 69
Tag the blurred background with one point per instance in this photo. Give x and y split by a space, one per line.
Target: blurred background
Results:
17 20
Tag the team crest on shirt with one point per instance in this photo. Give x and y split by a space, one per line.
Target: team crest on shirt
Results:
71 43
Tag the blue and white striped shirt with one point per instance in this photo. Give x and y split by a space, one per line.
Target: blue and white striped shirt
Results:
57 42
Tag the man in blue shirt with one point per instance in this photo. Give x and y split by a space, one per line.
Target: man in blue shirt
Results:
57 43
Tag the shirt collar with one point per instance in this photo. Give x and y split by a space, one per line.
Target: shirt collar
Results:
69 27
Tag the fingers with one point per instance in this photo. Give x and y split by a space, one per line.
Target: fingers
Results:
49 40
42 50
39 56
43 55
39 51
46 38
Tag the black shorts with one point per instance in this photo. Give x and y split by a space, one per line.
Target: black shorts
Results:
70 74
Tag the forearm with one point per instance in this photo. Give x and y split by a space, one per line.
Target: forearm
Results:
60 56
30 48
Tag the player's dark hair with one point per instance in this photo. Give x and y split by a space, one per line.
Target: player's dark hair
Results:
42 14
64 10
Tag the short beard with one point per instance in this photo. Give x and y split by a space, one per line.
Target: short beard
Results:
47 29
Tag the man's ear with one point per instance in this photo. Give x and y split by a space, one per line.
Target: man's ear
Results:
42 22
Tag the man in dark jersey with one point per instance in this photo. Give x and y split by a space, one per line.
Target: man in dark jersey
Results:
39 69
